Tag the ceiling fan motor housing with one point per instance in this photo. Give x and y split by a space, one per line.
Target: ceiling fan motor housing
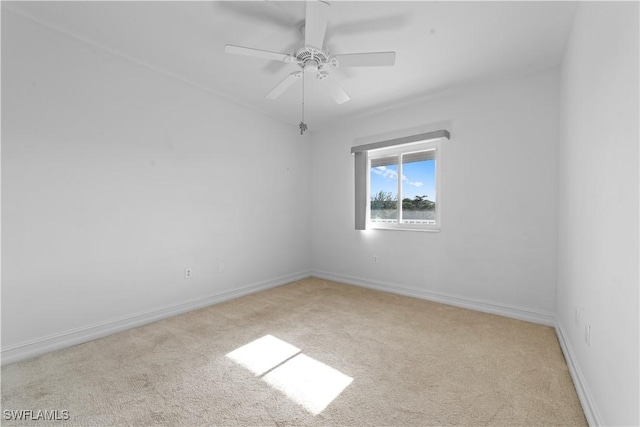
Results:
310 57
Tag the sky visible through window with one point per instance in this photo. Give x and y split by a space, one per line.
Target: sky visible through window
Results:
418 179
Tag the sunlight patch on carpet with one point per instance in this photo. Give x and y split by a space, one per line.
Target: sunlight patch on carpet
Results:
308 382
263 354
303 379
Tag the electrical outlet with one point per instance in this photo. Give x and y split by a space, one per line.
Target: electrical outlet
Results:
375 259
220 267
287 173
187 273
587 334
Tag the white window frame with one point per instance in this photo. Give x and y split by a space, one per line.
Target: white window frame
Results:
362 169
399 151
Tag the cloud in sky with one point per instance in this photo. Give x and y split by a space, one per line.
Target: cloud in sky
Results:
391 174
386 173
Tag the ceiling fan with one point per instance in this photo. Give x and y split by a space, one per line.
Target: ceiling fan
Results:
313 58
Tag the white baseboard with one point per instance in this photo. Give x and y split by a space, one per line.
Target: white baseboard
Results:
513 312
39 346
588 405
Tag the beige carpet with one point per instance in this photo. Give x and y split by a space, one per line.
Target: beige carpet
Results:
333 355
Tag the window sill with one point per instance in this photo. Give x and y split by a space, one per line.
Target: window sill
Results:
407 227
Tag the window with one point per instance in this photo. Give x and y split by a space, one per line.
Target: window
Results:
402 187
397 183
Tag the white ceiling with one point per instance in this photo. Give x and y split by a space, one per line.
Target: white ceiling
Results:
439 45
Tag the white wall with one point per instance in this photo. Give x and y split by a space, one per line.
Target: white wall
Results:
598 207
115 178
498 240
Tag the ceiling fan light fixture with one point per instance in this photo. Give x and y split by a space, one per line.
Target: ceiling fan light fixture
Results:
311 66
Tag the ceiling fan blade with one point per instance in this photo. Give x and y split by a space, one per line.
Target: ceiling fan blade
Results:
370 59
335 90
315 24
256 53
283 85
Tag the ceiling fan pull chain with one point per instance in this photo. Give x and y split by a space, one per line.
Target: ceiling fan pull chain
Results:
302 124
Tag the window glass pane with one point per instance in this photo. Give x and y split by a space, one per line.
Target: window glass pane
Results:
384 189
419 188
